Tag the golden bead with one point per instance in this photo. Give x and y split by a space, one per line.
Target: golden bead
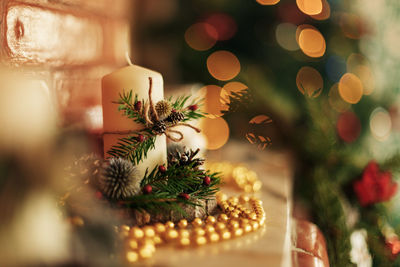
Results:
213 237
257 186
197 222
145 253
209 228
244 221
233 200
169 224
231 209
247 228
184 241
262 221
254 225
211 219
238 232
149 231
123 234
235 215
233 224
171 234
157 239
136 232
253 216
184 233
223 218
200 240
221 196
124 227
160 228
183 223
132 244
244 199
226 235
220 226
132 256
199 231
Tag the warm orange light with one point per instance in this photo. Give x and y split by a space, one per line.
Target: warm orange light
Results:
325 12
227 90
201 36
267 2
223 65
350 88
211 97
216 132
336 101
309 82
312 43
359 65
354 61
310 7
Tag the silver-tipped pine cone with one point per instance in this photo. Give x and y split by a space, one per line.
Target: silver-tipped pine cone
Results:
175 117
185 158
120 180
163 108
159 127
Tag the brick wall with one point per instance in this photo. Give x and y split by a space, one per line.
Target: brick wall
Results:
68 44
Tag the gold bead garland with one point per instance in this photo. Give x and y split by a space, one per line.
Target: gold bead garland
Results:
235 220
240 215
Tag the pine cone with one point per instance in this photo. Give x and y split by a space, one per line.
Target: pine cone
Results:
163 108
120 179
186 158
175 117
159 127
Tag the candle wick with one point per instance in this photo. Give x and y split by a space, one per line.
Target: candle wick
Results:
128 58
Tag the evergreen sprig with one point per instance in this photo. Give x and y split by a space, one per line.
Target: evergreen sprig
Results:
168 185
180 104
128 107
132 149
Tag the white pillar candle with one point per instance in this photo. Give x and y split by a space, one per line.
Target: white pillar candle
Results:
133 78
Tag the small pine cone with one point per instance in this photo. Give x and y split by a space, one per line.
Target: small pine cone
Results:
163 108
159 127
120 180
175 117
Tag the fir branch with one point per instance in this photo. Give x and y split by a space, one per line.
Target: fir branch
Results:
169 184
132 149
128 107
180 104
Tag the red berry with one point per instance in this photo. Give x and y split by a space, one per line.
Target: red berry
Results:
184 196
138 105
140 138
207 180
99 195
173 110
162 168
193 107
147 189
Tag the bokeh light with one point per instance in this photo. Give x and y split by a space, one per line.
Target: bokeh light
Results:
224 24
380 124
211 100
285 34
227 90
311 42
216 132
223 65
257 131
309 81
267 2
359 65
201 36
350 88
336 102
348 126
325 12
310 7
